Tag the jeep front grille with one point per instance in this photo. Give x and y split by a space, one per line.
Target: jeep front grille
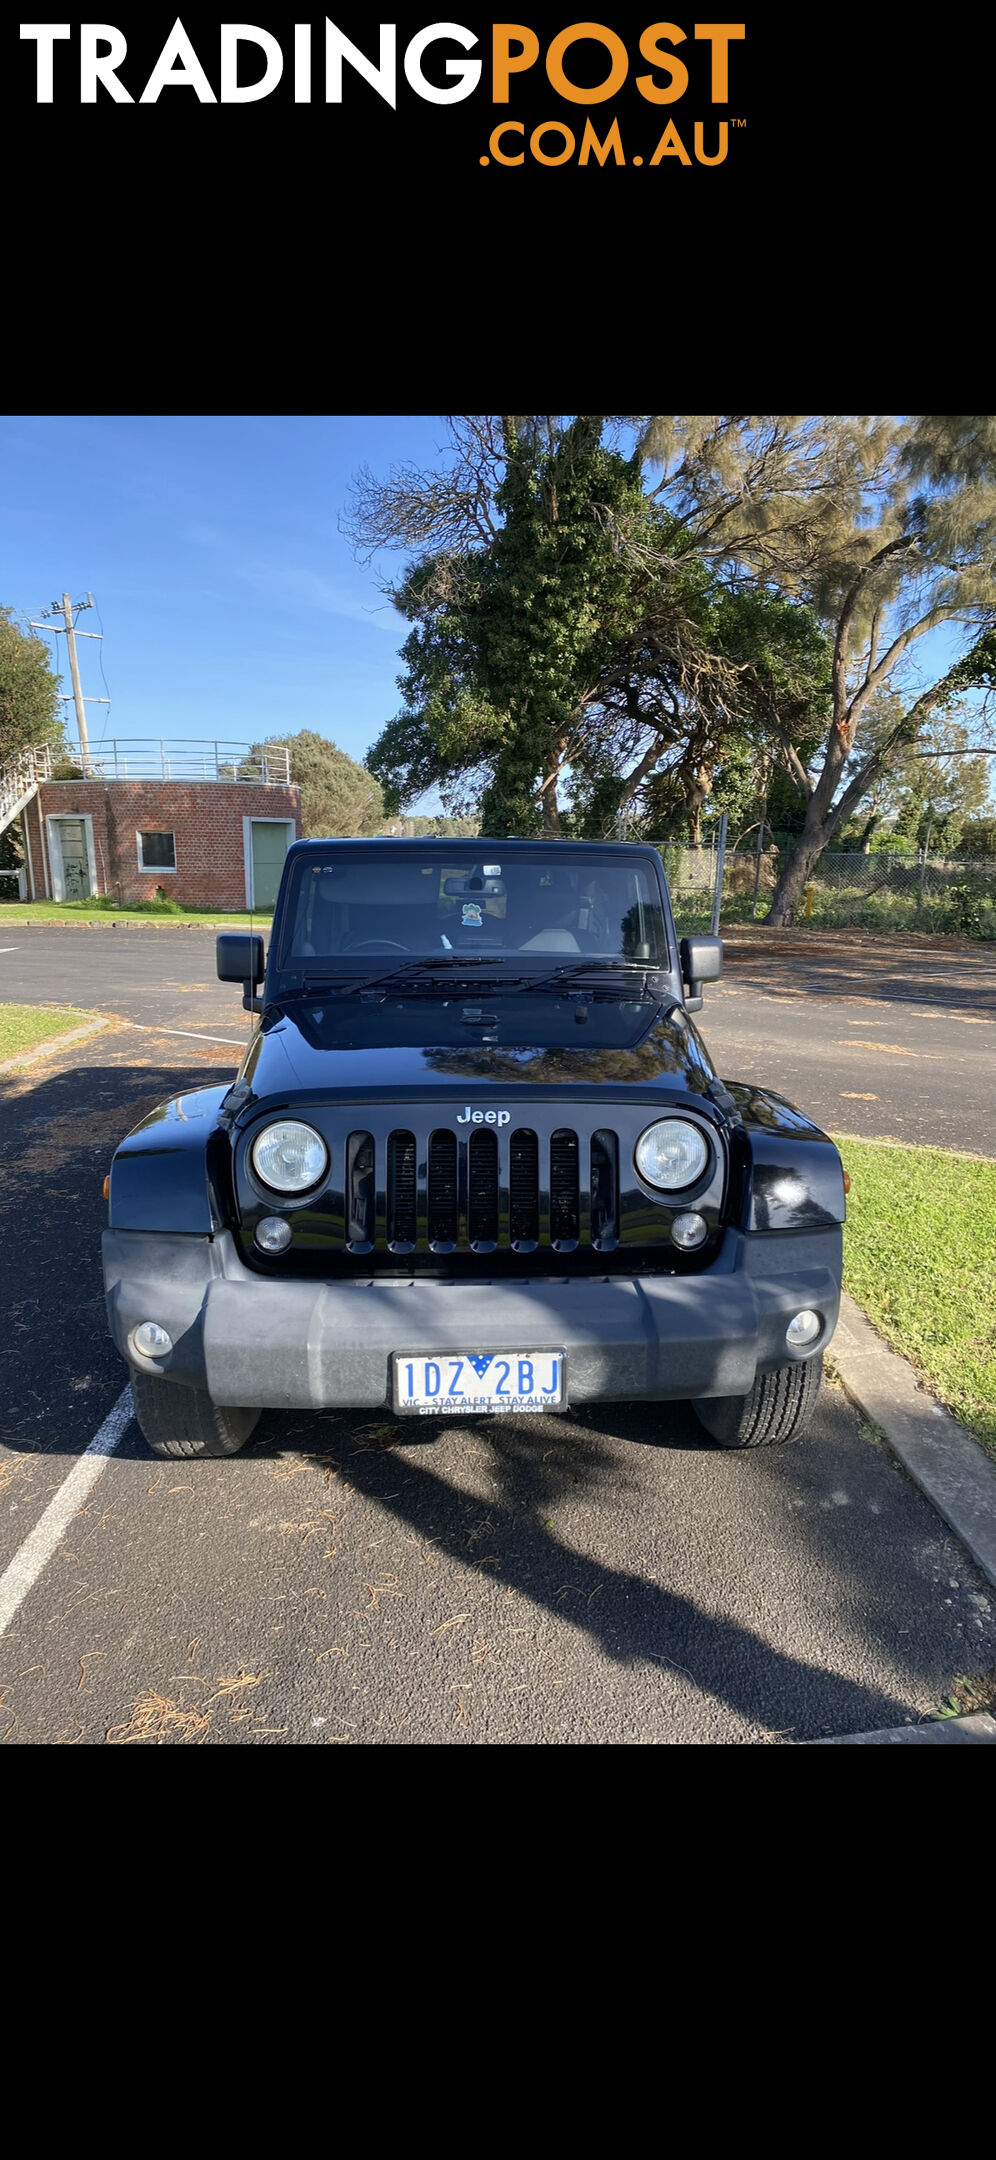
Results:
527 1197
359 1190
523 1190
442 1206
401 1189
564 1188
482 1191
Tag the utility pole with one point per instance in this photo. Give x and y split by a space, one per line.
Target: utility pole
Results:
74 669
65 609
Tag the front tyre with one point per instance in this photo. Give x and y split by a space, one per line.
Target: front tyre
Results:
183 1421
778 1408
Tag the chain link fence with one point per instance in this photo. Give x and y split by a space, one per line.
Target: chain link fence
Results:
691 876
956 897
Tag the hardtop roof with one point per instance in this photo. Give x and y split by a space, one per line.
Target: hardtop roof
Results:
479 842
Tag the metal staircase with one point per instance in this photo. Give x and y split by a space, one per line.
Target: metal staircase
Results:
19 781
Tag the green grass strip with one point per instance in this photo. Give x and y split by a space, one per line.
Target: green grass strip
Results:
920 1259
95 911
22 1026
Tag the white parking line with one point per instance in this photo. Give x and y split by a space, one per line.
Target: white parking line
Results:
10 948
231 1040
28 1562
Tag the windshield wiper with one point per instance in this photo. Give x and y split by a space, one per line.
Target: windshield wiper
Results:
351 982
449 971
627 977
450 977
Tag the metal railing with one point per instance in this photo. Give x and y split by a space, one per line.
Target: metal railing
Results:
180 758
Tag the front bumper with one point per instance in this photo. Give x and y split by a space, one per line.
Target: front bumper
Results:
260 1344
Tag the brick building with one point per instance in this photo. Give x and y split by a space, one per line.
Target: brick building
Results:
215 841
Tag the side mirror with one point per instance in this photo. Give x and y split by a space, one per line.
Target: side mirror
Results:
701 961
241 958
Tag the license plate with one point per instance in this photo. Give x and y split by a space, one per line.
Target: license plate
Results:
510 1380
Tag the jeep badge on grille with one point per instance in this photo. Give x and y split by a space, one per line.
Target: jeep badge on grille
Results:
467 1116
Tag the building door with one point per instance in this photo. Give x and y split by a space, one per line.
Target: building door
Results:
270 840
70 837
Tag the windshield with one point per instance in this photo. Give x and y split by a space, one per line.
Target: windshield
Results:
354 908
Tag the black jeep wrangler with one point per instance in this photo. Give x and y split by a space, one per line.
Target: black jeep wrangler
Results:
476 1159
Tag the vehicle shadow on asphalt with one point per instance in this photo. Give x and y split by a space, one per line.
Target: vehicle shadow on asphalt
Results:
60 1123
629 1617
62 1374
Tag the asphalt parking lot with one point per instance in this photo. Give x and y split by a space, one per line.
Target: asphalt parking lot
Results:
881 1038
606 1577
885 1039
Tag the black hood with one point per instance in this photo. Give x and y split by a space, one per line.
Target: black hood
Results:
420 1047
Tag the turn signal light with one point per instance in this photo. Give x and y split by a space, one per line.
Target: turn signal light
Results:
847 1182
106 1187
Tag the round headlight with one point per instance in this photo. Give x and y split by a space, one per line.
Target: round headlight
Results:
289 1157
671 1154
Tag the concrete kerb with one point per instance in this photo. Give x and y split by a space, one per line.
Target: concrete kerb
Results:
55 1042
955 1729
134 922
952 1471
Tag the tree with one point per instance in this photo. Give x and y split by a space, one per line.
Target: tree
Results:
449 510
569 662
29 692
593 641
932 789
441 828
339 798
937 781
512 634
978 836
887 528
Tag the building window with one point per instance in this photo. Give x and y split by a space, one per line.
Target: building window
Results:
156 850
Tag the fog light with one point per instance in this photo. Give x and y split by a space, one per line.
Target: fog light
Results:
151 1340
803 1329
688 1231
272 1235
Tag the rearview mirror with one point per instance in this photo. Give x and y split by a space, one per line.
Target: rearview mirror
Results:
471 888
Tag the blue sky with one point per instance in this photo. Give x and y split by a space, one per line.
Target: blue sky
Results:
231 605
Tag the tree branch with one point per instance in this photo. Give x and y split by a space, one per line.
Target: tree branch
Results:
843 709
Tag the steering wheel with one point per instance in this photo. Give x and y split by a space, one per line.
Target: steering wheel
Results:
376 944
